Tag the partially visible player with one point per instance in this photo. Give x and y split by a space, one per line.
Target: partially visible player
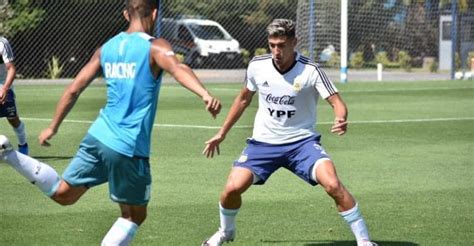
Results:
7 95
116 148
284 136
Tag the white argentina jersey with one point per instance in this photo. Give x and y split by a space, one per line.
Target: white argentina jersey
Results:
6 56
286 100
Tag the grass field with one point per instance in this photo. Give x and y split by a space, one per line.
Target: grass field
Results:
408 158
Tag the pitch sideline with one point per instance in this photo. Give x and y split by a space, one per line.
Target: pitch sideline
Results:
395 121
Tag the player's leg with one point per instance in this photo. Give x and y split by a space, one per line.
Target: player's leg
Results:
255 165
36 172
129 186
9 111
239 180
311 163
126 226
326 176
19 129
42 175
67 194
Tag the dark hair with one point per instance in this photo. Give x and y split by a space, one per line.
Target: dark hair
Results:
281 27
140 8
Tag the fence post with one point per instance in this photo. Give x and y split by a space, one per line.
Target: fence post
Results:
453 38
344 6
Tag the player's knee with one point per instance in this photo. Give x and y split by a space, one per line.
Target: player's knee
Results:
232 189
334 188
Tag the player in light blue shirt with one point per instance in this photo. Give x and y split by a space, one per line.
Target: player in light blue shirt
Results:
116 148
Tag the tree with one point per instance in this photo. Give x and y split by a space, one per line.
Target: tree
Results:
18 16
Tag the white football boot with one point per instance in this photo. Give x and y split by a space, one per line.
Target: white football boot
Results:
367 243
5 145
219 238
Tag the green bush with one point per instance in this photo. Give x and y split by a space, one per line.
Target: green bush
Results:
260 51
304 52
180 57
382 57
357 60
245 56
335 60
54 68
404 59
457 61
434 66
469 60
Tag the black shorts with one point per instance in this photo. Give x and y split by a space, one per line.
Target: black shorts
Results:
8 108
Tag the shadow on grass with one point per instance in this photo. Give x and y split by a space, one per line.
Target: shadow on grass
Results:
52 158
337 243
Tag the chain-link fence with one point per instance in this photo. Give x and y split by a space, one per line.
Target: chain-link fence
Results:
55 38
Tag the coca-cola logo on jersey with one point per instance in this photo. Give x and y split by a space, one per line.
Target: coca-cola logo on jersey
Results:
283 100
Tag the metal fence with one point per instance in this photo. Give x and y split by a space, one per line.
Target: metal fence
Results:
55 38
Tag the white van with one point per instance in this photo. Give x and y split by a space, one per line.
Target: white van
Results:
204 43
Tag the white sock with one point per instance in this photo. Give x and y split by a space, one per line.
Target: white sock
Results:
20 133
38 173
121 233
227 217
357 223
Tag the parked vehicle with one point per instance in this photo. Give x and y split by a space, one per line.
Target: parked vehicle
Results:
203 43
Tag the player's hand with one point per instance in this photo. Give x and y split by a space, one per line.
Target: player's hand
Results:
3 95
46 135
212 146
213 105
340 126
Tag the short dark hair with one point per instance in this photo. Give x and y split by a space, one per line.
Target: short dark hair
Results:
281 27
140 8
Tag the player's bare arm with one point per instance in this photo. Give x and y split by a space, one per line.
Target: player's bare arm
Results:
70 96
241 102
165 58
11 73
340 113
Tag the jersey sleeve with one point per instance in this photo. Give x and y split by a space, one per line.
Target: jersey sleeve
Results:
6 50
249 80
323 84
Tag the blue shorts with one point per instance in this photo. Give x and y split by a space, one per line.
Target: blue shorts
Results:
8 109
94 164
299 157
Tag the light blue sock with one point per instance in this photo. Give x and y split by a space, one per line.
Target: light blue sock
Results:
20 133
354 219
227 217
121 233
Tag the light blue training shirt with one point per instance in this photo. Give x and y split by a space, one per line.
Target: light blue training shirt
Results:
125 123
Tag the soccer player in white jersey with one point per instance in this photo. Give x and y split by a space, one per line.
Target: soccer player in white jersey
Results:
284 135
7 95
116 148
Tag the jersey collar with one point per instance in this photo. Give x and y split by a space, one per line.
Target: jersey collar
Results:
297 56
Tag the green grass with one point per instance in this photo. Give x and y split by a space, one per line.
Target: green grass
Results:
408 159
